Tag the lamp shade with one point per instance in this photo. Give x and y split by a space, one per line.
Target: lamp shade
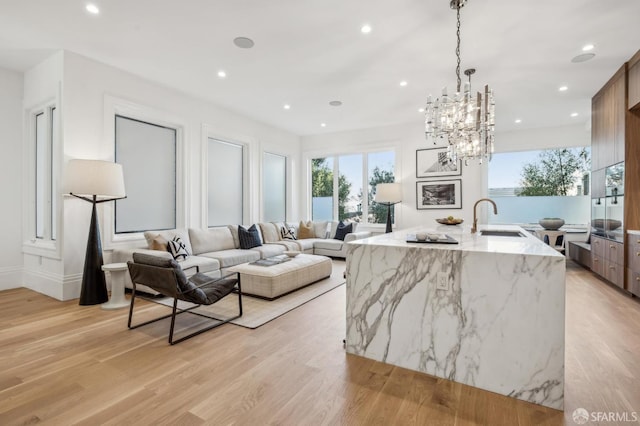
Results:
103 179
388 193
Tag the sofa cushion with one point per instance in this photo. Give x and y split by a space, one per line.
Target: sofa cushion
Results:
334 227
204 264
159 243
328 244
320 229
289 245
269 250
249 238
270 233
212 239
305 230
233 257
342 230
178 249
234 233
307 243
170 234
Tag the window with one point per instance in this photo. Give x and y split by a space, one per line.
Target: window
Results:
274 187
225 190
337 185
147 153
531 185
47 170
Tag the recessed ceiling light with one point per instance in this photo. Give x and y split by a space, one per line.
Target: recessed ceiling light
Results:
583 57
587 47
335 103
92 8
574 114
365 29
222 74
403 83
421 110
518 121
563 88
243 42
286 106
323 124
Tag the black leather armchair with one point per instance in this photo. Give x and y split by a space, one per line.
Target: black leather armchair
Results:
167 277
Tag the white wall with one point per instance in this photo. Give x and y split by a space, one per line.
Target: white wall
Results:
408 138
11 86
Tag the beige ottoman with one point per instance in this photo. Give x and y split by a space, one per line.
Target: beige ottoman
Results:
274 281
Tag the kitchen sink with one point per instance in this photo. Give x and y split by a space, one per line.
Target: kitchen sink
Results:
500 233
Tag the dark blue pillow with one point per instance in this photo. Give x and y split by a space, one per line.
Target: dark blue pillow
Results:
342 230
249 238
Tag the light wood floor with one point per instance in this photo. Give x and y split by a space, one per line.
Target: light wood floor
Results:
66 364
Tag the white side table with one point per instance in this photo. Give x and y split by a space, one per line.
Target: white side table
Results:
117 271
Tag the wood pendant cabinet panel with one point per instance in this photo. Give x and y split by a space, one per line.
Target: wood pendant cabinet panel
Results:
634 82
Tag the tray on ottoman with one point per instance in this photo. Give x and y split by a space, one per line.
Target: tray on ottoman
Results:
278 280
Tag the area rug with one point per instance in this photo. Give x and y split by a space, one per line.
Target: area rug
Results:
256 311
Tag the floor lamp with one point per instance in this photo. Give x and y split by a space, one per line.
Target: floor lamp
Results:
97 182
388 194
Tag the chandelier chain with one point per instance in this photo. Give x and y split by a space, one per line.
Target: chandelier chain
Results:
458 48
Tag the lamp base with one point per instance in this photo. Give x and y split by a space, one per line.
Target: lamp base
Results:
94 284
388 218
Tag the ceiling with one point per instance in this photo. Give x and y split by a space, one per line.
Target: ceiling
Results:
310 52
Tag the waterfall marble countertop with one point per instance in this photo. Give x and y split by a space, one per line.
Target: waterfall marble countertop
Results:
526 245
487 312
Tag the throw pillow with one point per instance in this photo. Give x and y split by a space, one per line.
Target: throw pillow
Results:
305 230
342 231
249 238
178 249
159 243
287 233
320 229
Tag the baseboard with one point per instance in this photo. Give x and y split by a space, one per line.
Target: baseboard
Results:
58 286
10 277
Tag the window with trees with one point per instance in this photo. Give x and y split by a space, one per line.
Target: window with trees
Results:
338 186
531 185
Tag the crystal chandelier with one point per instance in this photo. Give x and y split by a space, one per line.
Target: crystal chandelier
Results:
467 121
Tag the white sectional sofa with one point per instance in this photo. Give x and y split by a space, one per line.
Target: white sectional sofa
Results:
214 250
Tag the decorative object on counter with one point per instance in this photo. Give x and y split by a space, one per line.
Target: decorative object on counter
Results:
421 236
435 162
431 239
474 228
449 221
467 121
551 223
440 194
606 224
388 194
97 182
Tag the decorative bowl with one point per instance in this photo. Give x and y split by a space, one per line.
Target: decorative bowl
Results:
551 223
433 237
446 221
291 253
421 236
607 224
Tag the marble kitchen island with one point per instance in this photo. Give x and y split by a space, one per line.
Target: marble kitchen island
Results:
488 312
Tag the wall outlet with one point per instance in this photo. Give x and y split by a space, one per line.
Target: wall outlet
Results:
442 281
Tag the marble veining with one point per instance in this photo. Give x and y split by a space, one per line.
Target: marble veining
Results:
498 326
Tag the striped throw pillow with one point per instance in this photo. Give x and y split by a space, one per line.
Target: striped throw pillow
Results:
178 249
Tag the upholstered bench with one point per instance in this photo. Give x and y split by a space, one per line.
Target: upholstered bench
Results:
270 282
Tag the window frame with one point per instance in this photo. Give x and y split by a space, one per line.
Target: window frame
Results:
45 245
286 183
209 132
114 106
309 156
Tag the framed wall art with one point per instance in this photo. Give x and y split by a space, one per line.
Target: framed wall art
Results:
433 162
439 194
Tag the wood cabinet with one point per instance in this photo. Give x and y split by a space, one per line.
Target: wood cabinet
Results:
633 264
607 260
609 106
634 82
